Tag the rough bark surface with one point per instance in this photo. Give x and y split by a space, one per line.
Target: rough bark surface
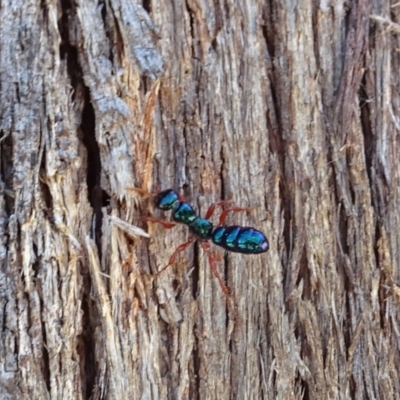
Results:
292 108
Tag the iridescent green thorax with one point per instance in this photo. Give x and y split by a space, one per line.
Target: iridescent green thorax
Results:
240 239
167 199
202 228
183 213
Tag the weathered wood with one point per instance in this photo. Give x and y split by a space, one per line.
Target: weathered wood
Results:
289 108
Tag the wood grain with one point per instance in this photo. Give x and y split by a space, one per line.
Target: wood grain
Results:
291 108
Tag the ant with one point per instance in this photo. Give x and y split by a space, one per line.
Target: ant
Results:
238 239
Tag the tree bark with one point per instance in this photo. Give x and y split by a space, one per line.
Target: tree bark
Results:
291 109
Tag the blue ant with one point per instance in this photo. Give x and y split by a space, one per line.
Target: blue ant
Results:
239 239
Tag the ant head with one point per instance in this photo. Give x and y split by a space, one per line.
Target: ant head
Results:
167 199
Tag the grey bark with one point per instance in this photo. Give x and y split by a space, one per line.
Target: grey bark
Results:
290 108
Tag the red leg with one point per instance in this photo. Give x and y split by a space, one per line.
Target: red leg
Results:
225 213
175 254
143 192
211 259
146 194
165 224
181 198
211 209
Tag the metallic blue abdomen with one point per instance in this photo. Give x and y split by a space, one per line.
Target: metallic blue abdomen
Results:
240 239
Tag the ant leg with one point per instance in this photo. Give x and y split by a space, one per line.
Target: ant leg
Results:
181 197
225 213
206 247
175 254
165 224
146 194
211 209
211 258
143 192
